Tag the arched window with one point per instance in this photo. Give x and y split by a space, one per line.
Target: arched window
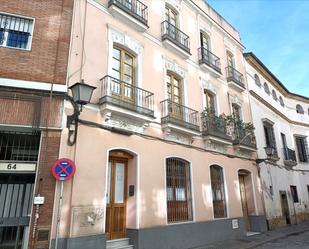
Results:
266 88
281 101
299 109
178 190
273 92
257 80
218 191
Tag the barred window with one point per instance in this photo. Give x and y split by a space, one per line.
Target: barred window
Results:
19 146
15 31
178 190
218 191
266 88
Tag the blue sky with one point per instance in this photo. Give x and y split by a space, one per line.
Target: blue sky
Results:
277 32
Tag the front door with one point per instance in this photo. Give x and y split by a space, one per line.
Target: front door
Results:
285 207
244 203
116 198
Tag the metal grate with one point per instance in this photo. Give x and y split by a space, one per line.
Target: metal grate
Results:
218 192
179 203
19 146
15 31
16 195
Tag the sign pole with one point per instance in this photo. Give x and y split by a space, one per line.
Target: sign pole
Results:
59 214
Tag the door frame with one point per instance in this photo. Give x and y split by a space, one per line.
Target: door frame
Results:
123 157
287 219
246 217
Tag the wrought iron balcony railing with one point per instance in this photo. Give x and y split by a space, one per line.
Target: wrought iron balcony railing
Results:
214 126
243 135
175 35
207 57
233 75
134 8
289 155
119 93
179 115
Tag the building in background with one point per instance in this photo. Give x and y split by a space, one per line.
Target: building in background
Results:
165 151
34 48
281 121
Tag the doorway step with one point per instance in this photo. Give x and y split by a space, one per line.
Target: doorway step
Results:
118 244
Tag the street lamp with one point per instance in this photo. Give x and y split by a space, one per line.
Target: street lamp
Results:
81 95
270 151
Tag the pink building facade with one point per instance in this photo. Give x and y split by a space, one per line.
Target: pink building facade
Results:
165 152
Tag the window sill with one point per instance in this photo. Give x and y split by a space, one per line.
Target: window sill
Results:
21 49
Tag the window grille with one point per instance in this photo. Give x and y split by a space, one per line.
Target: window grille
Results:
19 146
218 191
178 191
15 31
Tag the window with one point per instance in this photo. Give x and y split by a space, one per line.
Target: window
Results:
236 111
174 88
281 101
205 41
171 16
302 149
266 88
230 59
299 109
210 101
218 191
15 31
294 193
123 72
257 80
270 136
273 92
178 190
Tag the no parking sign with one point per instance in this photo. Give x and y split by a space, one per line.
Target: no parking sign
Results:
63 169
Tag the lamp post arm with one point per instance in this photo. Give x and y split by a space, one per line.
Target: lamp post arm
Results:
72 120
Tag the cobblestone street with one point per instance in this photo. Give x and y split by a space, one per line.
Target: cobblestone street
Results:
297 241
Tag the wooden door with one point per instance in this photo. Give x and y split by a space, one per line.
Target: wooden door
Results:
285 207
244 203
116 198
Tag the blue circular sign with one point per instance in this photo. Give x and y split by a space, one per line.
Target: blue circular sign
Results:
63 169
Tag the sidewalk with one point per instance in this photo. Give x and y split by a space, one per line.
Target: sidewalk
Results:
259 239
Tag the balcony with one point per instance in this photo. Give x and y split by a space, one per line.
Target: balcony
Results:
133 12
180 117
209 62
289 157
243 137
125 100
235 79
215 128
175 39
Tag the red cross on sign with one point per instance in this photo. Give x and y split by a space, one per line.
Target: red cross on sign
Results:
63 169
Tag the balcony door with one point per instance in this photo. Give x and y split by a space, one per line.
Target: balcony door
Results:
171 18
122 84
174 91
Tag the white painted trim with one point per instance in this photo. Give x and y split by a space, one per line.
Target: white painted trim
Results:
33 85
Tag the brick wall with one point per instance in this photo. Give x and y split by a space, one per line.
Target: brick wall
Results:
47 60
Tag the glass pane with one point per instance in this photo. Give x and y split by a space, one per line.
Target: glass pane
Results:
128 70
116 64
17 39
127 79
176 83
168 79
116 53
109 174
116 74
119 182
128 59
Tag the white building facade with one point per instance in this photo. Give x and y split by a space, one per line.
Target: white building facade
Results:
281 121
